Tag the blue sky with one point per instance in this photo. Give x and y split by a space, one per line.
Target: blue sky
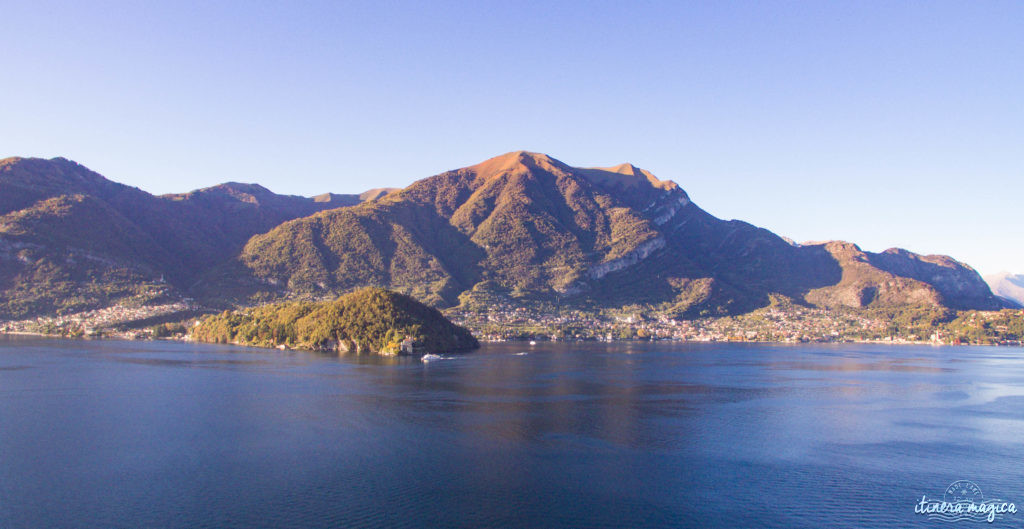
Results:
883 123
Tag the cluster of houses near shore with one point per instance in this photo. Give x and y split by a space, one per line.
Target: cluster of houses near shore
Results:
504 322
114 321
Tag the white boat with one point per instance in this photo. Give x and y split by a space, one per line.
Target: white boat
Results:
533 342
430 357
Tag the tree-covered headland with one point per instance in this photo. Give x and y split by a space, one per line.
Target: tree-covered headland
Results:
369 320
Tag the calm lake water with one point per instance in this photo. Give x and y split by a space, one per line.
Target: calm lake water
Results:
159 434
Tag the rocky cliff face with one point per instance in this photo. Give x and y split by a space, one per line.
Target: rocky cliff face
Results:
863 284
959 285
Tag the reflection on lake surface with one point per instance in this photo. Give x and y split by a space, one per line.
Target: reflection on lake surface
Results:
160 434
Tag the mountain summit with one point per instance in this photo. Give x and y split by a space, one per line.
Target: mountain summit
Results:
530 225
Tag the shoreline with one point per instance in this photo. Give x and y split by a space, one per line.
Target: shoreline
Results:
538 342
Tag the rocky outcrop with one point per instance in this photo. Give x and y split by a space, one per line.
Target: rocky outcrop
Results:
960 286
628 260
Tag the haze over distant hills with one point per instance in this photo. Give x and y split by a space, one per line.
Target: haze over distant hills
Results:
1007 285
522 224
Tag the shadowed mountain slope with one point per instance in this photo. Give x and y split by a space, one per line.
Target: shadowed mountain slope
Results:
70 239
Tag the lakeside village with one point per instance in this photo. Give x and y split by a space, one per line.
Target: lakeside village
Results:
119 321
788 324
508 322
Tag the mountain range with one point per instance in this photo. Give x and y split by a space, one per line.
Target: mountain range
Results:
72 240
523 225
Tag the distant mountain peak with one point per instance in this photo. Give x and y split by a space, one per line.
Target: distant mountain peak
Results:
242 191
627 176
243 187
1007 285
517 162
376 193
624 176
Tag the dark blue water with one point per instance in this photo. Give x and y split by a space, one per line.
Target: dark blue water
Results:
135 434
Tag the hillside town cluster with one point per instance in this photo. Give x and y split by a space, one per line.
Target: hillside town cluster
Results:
118 321
518 323
502 321
774 324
